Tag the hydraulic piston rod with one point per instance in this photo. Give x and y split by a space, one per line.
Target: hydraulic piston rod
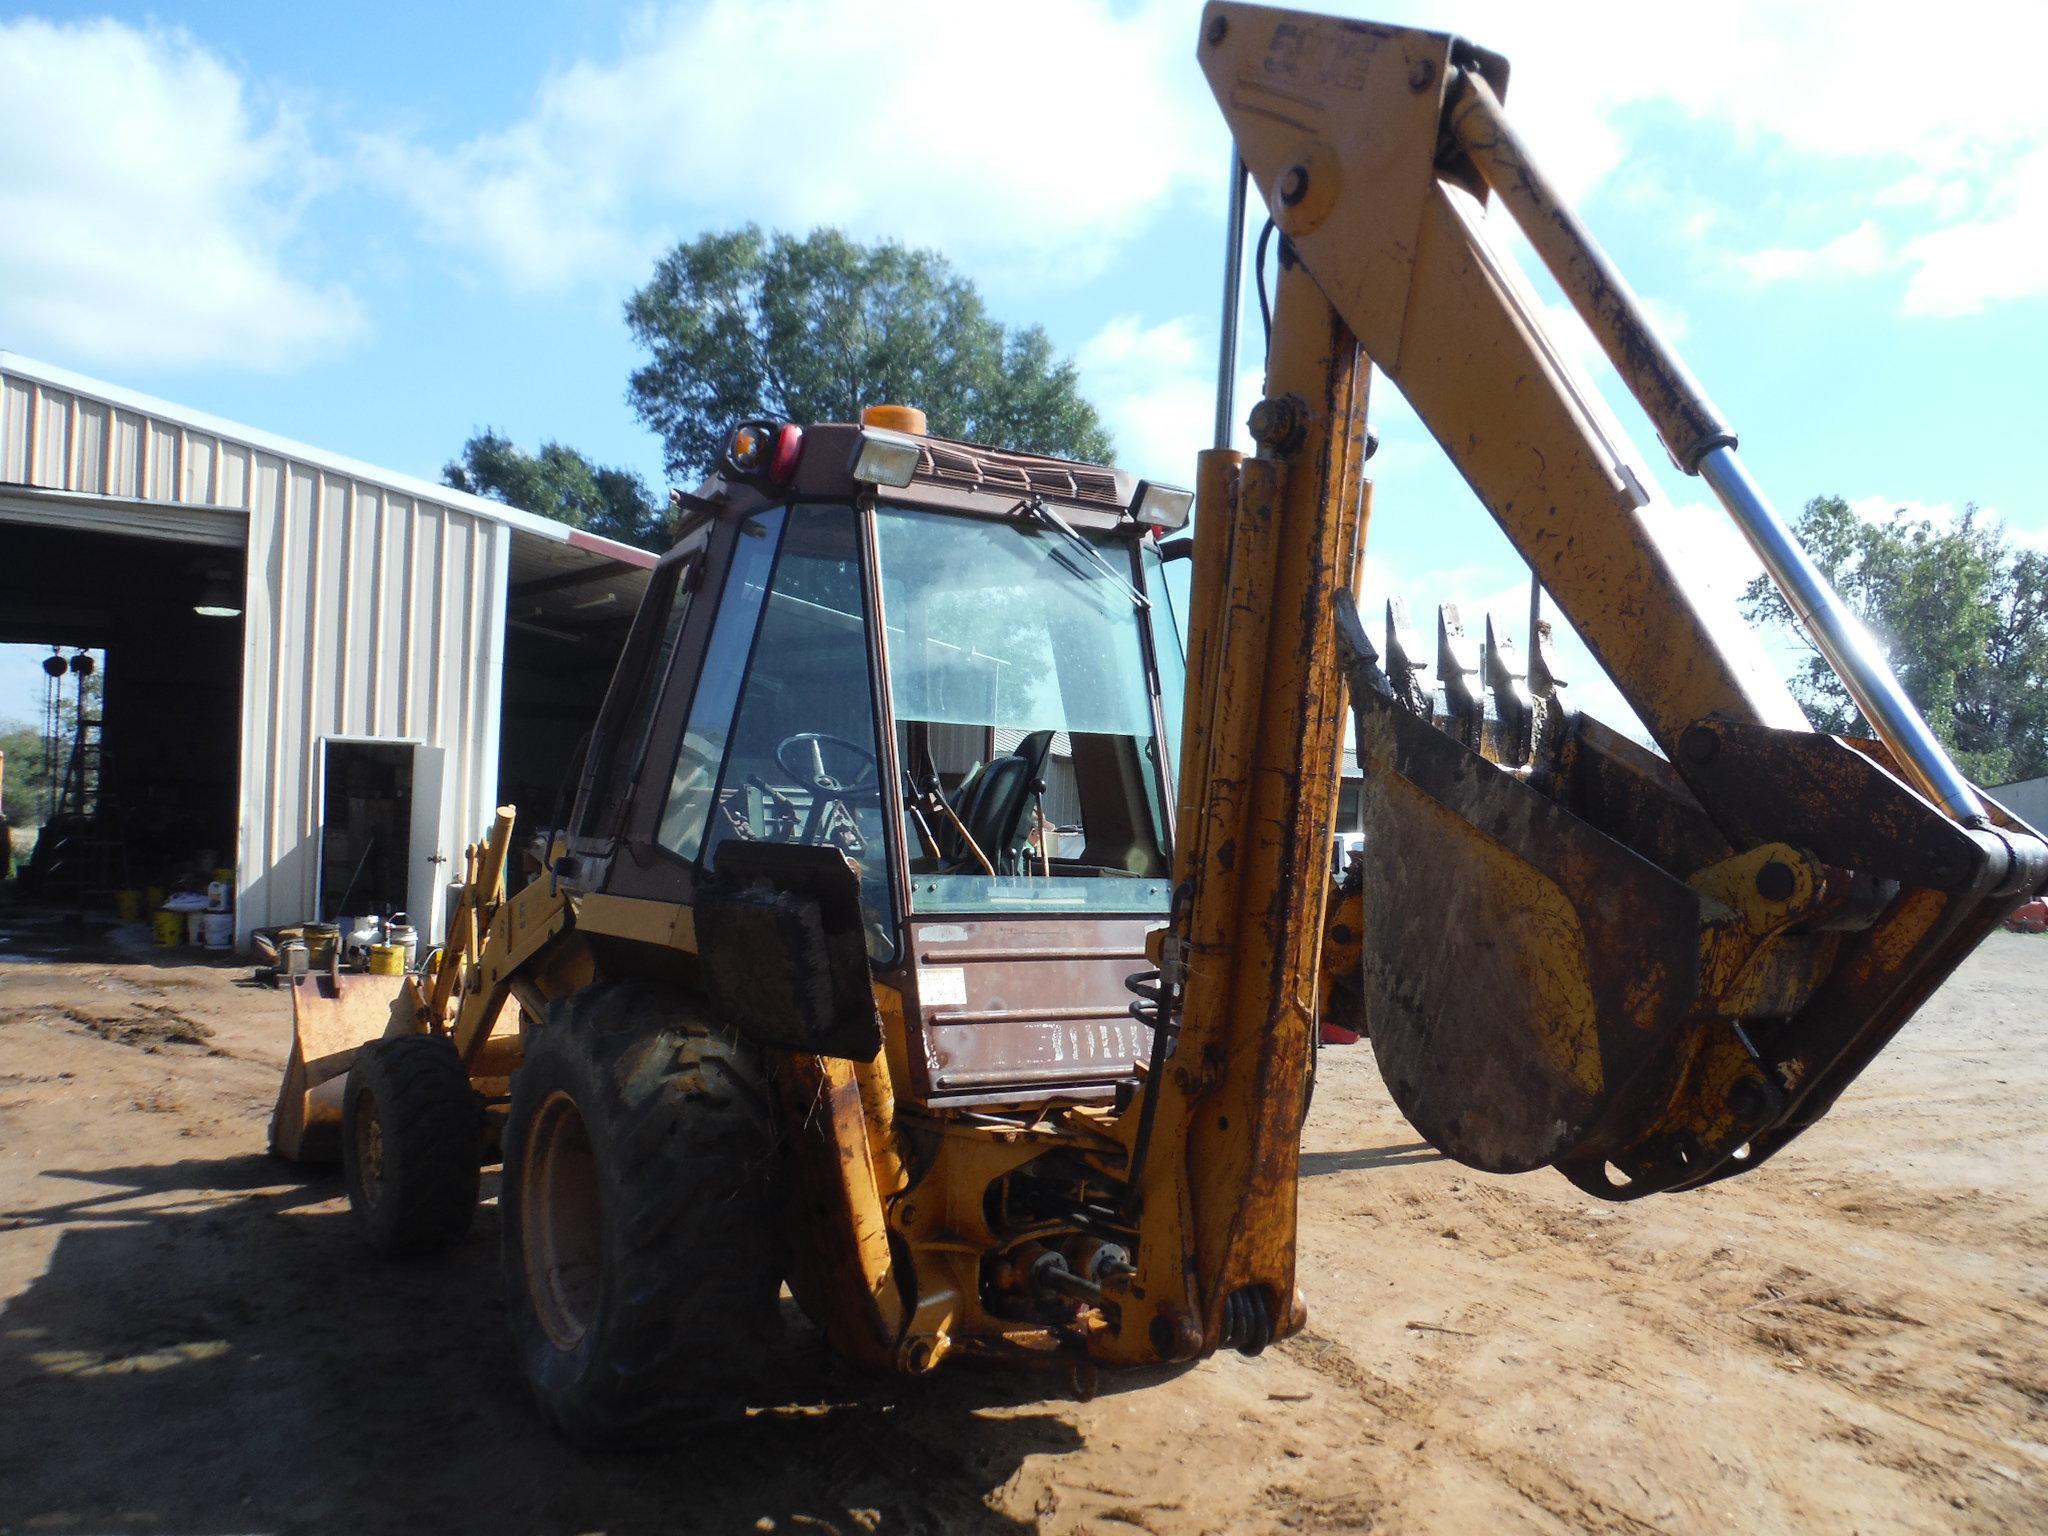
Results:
1233 295
1842 639
1698 439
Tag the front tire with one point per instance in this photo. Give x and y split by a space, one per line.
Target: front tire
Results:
641 1248
411 1144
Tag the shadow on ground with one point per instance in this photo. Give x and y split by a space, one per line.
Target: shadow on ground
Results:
1394 1156
209 1351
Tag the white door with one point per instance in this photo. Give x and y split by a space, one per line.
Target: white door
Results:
433 860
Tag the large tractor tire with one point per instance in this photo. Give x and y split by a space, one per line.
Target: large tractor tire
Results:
642 1251
411 1144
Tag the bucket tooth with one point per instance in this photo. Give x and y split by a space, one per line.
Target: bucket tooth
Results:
1457 673
1513 710
1547 689
1544 681
1407 666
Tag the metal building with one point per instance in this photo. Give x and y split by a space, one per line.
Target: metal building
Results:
2026 799
408 655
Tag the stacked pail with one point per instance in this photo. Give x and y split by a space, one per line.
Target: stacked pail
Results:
218 923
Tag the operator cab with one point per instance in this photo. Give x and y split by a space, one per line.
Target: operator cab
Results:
959 669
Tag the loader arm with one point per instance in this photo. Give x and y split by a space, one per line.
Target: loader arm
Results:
1648 972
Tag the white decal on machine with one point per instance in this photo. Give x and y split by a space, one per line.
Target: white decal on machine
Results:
942 986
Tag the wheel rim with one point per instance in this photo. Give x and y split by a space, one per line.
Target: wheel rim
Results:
369 1148
562 1225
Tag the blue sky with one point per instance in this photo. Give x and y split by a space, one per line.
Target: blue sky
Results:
379 227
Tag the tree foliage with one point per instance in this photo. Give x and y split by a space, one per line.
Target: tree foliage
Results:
34 780
746 324
560 483
1963 615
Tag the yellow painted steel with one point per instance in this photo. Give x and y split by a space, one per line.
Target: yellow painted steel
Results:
1243 1143
1401 255
1216 480
334 1015
1265 711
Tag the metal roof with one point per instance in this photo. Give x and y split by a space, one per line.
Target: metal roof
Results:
126 474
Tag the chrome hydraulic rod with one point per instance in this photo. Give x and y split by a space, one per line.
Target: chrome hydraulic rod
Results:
1686 421
1233 292
1841 637
1698 439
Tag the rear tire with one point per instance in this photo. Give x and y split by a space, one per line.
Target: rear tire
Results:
411 1143
642 1255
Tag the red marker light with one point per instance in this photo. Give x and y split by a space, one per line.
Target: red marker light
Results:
789 447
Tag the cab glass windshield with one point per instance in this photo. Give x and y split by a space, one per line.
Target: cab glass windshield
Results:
1024 714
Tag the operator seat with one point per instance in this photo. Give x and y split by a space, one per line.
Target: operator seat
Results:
994 813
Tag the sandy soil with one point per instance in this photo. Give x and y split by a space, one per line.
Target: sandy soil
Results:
1854 1338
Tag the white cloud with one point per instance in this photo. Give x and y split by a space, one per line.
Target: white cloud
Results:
1031 143
1156 388
1986 251
1830 81
1947 196
1992 256
1022 141
1859 253
1835 89
146 205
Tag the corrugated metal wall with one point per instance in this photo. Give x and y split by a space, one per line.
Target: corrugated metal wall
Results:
371 616
371 613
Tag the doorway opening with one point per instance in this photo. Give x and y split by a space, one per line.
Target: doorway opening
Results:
366 815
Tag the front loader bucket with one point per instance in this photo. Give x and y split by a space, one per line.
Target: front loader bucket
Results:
333 1016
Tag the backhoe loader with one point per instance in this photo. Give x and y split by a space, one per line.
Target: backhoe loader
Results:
917 940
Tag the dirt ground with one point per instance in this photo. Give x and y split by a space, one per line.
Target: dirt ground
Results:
1854 1338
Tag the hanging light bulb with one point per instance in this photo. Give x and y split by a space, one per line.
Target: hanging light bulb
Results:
218 599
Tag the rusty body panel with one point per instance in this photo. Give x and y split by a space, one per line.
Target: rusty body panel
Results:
1024 1008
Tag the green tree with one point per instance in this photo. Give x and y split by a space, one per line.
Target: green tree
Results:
1961 612
34 781
560 483
27 793
746 324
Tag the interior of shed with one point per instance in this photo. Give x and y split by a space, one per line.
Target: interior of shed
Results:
145 783
566 618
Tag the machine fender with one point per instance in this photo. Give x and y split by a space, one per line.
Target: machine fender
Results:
782 949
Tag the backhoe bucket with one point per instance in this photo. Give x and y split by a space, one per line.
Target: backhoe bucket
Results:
1646 974
1526 978
334 1015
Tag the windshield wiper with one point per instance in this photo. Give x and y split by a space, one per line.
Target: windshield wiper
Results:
1040 508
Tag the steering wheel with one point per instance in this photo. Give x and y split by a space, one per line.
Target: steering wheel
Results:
802 757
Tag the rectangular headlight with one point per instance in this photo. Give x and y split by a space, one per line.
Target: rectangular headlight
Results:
885 457
1164 507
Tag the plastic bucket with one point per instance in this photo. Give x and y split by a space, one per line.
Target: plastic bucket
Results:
195 927
219 928
387 959
170 929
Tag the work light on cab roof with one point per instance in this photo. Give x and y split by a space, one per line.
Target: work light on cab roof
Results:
1162 508
888 451
765 450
